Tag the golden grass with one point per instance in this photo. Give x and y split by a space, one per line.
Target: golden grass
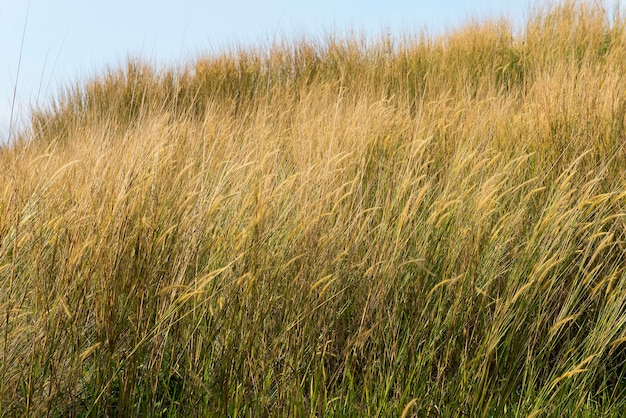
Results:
345 227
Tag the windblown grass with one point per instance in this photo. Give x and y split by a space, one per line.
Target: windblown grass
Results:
412 226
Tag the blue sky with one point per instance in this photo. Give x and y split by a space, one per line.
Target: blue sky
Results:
62 41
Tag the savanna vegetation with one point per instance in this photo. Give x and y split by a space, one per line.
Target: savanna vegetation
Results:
404 226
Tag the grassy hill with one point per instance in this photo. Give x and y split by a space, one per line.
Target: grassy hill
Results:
408 226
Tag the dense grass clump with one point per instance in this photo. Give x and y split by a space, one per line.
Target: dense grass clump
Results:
412 226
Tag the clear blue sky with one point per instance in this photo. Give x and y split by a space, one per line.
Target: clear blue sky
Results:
68 40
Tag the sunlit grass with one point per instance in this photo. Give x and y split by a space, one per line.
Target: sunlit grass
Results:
410 226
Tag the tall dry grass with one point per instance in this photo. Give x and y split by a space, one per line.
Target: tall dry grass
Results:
408 226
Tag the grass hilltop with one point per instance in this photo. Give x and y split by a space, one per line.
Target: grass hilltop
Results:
402 227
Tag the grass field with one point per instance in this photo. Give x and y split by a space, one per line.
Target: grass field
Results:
406 226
